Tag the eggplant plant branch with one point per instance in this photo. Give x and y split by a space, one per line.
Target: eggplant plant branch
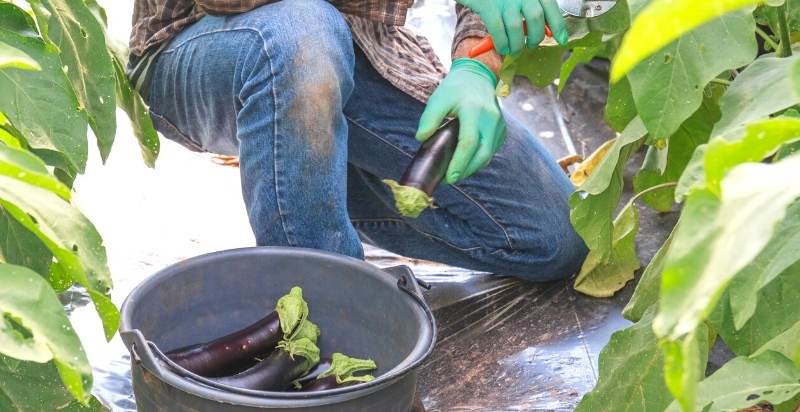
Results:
785 47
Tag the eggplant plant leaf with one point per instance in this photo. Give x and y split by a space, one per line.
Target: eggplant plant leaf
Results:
19 246
669 85
583 51
45 111
71 238
36 387
13 58
766 86
603 279
630 374
541 65
592 206
620 108
719 238
759 140
776 313
664 21
744 382
131 102
680 147
685 365
23 165
782 251
80 37
35 328
646 292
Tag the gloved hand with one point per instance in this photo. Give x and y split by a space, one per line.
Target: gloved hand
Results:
503 19
468 92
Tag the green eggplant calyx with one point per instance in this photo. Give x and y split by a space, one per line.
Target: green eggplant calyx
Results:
292 310
410 201
343 367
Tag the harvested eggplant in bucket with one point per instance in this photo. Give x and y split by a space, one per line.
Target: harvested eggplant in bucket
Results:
362 311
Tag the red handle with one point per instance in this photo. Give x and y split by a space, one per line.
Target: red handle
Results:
487 44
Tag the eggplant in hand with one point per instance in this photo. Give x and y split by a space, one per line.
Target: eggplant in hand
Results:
414 192
293 358
234 352
341 373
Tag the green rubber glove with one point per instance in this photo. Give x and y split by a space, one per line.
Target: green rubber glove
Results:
503 19
468 92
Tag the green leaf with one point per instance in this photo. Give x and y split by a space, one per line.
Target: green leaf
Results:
45 110
602 279
685 364
13 58
787 343
693 175
766 86
680 147
583 51
592 206
23 165
131 102
36 387
81 39
631 377
719 238
782 251
759 140
620 108
744 382
646 293
776 313
669 85
664 21
540 65
71 238
19 246
34 327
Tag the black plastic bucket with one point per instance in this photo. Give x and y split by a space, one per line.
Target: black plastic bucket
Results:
362 311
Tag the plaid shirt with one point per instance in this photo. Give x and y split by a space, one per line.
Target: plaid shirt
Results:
403 58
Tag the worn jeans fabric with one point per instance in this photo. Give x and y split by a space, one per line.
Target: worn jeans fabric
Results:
316 128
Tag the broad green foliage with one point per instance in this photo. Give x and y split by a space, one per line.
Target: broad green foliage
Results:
35 328
35 387
594 203
744 382
729 233
719 129
768 85
664 165
631 376
73 28
46 111
664 21
602 279
669 85
58 76
777 312
13 58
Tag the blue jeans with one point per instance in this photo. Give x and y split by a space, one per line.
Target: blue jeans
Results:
317 128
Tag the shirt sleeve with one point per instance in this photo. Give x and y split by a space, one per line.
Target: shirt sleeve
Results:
230 6
468 25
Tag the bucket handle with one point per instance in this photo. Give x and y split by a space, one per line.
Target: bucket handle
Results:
141 351
407 282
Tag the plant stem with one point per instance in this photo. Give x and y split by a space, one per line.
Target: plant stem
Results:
721 81
785 47
767 38
652 189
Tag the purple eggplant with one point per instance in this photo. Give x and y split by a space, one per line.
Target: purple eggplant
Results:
236 351
292 358
414 192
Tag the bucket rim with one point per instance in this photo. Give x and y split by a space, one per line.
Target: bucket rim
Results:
187 381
